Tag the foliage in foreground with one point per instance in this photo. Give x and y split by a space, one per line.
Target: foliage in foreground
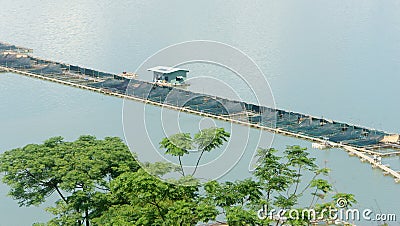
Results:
78 172
98 182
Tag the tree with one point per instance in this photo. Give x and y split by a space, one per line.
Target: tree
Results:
177 145
139 198
277 185
204 141
79 172
236 200
99 183
208 140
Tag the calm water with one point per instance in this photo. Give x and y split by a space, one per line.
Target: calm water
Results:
335 59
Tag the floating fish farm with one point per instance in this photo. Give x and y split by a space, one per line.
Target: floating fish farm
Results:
20 60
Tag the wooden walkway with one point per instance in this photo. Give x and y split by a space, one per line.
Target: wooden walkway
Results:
365 158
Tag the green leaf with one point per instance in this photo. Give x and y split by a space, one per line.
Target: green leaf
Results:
211 138
177 144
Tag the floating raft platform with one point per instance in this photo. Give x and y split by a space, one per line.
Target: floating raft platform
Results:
326 132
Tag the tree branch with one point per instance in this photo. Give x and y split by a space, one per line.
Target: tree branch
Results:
198 161
158 208
297 181
60 194
180 163
48 183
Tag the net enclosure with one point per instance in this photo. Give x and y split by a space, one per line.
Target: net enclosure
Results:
339 132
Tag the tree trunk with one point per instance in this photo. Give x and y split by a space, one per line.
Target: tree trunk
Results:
87 217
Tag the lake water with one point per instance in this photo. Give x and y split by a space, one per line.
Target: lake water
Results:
336 59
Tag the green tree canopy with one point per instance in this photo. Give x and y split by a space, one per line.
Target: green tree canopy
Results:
98 182
79 172
139 198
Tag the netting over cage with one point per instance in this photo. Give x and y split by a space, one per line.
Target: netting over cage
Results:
47 69
238 110
15 61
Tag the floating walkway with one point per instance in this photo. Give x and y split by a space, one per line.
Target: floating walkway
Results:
363 142
374 162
